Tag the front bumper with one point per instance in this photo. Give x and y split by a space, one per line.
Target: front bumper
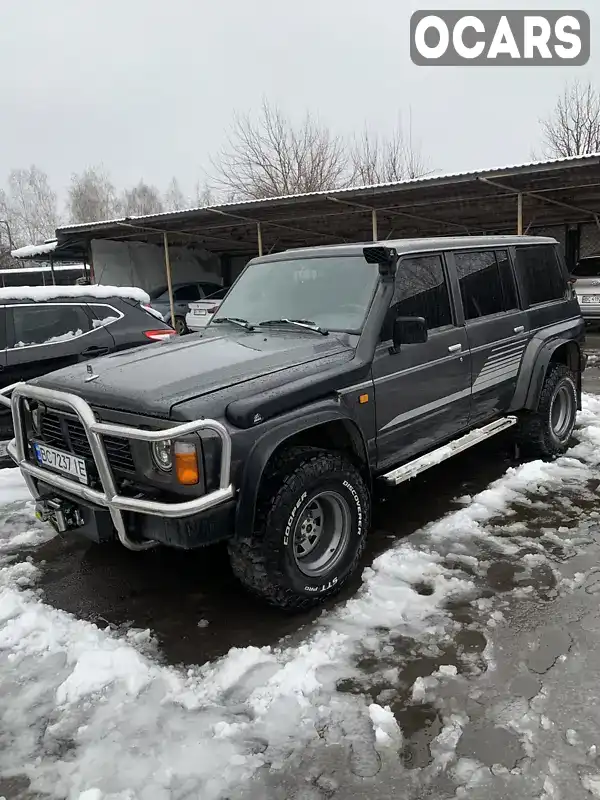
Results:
108 496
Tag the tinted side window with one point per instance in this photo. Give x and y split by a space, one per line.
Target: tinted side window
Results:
48 324
421 291
187 293
540 274
103 315
486 283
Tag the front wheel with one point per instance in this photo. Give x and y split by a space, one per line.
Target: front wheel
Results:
546 432
312 521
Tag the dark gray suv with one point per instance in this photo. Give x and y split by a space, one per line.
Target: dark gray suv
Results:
324 371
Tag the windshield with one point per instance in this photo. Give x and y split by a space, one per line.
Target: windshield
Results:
334 292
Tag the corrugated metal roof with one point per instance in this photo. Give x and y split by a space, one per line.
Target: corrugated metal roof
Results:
373 188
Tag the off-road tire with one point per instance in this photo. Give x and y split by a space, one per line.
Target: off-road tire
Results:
536 434
264 562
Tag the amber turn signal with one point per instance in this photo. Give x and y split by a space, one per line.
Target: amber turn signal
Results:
186 463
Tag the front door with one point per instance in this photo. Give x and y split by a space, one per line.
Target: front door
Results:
497 330
423 391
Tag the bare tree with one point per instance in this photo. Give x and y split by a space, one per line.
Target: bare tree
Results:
174 199
204 195
385 159
29 206
92 196
272 156
573 127
140 200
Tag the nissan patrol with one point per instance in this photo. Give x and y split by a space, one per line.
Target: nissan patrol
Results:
324 371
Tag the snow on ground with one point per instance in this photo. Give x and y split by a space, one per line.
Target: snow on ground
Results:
93 715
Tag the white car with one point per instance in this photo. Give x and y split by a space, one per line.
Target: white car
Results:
202 311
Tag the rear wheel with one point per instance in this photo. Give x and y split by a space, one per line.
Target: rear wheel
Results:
312 521
180 326
546 432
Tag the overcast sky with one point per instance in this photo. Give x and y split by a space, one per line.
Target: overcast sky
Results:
148 87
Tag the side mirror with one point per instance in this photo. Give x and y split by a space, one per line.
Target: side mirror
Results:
409 330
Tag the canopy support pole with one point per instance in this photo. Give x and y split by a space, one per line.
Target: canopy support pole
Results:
169 282
520 214
374 224
260 241
52 270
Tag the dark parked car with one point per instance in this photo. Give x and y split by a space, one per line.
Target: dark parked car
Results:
323 371
183 295
45 328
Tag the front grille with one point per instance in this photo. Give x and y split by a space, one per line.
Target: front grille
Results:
67 433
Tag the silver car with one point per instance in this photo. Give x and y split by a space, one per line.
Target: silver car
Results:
586 277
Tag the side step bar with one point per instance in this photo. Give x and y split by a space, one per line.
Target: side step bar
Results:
413 468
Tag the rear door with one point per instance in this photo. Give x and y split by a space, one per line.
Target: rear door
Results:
423 391
497 328
43 337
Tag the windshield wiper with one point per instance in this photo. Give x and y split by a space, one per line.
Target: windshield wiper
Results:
243 323
301 323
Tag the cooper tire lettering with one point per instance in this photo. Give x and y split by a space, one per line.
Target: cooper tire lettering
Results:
290 522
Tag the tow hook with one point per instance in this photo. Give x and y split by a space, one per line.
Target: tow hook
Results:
61 515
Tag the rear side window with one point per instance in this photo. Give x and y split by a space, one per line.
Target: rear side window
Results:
103 315
48 324
421 291
540 274
486 283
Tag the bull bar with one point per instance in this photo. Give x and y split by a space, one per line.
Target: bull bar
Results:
95 430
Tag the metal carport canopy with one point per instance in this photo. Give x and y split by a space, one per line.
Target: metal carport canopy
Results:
549 193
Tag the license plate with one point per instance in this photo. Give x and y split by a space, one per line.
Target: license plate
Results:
590 298
60 461
200 311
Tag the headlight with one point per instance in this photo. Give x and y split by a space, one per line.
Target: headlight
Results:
162 455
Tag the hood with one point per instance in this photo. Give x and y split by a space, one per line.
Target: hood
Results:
153 378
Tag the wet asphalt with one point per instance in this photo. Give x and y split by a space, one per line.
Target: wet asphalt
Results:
197 612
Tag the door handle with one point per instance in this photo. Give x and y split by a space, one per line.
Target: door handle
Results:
519 329
91 352
455 348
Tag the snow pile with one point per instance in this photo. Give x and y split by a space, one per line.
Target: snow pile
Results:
18 525
92 714
63 337
101 323
46 293
387 730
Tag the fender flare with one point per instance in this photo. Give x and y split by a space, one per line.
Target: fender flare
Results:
534 368
263 449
